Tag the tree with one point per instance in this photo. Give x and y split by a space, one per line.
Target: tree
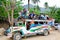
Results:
36 1
9 8
46 5
28 4
6 7
55 13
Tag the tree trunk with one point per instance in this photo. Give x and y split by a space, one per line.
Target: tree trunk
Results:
12 14
28 4
9 19
12 17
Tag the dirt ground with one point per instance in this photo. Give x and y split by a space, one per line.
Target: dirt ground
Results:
55 35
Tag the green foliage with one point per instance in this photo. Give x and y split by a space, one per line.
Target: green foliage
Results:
57 17
31 9
35 10
7 8
2 12
17 9
55 13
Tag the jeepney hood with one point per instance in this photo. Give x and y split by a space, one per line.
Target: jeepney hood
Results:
16 28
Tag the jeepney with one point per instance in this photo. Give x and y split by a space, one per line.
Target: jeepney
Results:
24 29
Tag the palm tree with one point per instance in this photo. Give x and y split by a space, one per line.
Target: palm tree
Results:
28 4
36 1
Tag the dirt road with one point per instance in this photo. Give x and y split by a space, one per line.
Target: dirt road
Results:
55 35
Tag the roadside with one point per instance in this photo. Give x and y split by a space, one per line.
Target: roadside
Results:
53 36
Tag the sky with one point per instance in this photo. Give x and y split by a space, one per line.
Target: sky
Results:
41 4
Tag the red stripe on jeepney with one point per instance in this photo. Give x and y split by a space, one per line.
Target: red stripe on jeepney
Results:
44 26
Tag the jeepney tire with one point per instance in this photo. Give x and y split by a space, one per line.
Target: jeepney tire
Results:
17 36
46 32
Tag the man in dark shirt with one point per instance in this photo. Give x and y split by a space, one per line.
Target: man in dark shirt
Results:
31 16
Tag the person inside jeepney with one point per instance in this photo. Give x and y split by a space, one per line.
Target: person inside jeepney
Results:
37 24
28 25
45 23
32 15
32 24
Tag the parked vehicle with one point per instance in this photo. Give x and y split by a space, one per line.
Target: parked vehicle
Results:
57 26
23 29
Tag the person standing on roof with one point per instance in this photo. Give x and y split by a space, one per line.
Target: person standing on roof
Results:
20 14
24 13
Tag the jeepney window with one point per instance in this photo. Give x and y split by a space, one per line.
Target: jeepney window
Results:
36 22
20 23
41 22
28 25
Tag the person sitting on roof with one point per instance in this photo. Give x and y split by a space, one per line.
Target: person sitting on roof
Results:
32 15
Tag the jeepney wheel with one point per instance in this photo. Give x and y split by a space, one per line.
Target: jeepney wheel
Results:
17 36
45 33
